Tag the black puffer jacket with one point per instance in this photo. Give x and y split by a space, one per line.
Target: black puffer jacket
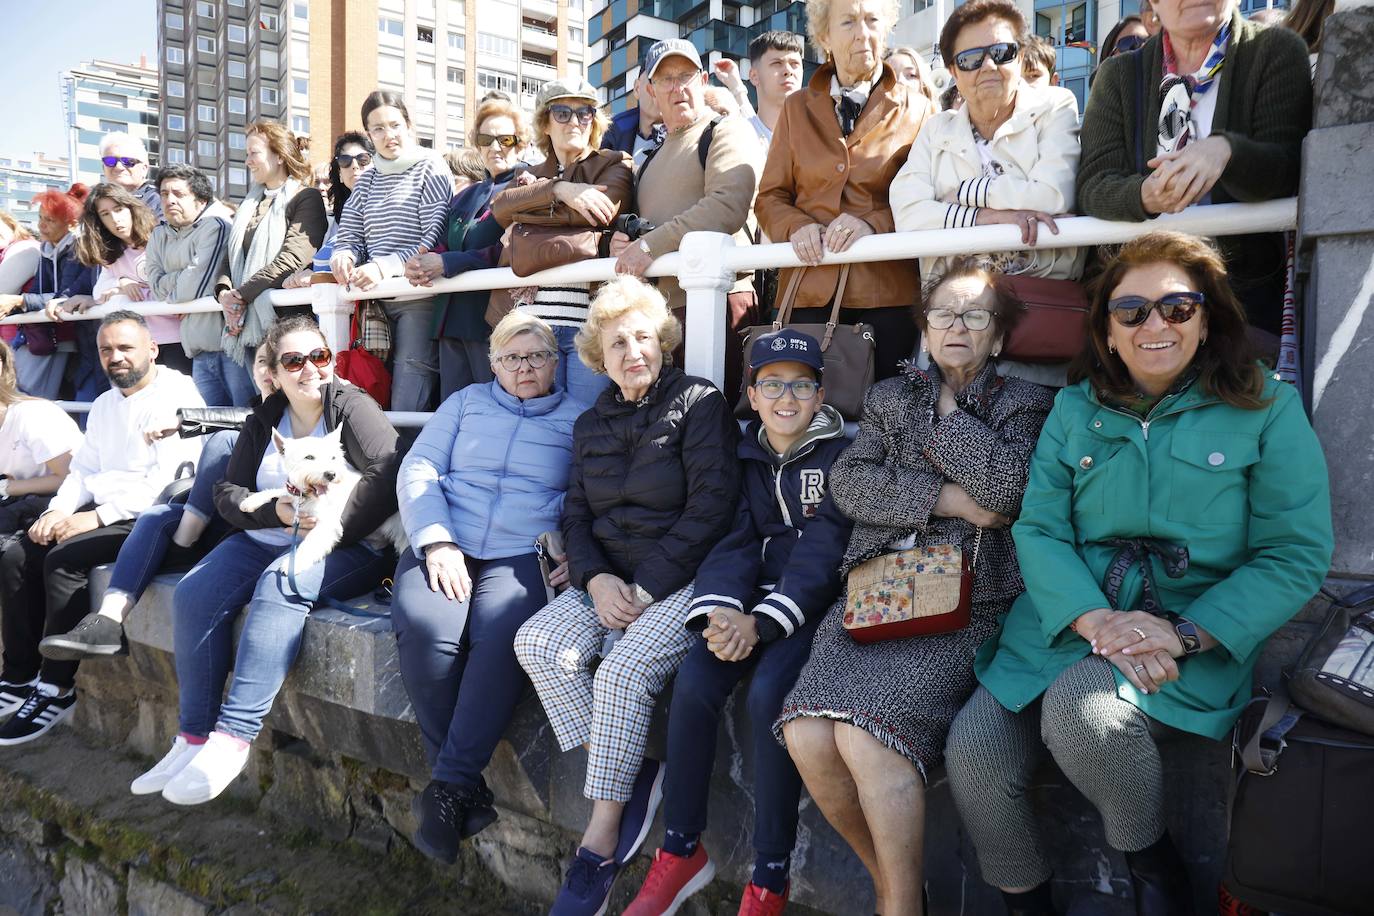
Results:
653 484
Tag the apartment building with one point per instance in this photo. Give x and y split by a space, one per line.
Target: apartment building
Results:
21 177
102 96
310 65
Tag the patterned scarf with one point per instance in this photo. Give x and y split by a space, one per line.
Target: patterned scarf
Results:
1180 93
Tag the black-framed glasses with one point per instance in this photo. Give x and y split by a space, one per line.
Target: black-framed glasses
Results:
1128 43
511 361
802 389
346 160
295 362
1175 308
127 161
505 141
565 113
1004 52
973 319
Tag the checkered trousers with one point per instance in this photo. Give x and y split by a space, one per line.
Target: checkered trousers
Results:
612 708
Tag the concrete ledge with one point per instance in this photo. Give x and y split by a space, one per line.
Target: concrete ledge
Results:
345 700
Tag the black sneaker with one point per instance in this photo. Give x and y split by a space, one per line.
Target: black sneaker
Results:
448 815
39 713
13 696
94 637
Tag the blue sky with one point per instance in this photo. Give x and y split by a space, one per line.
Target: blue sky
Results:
44 38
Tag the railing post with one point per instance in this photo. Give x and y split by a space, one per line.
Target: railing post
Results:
706 281
334 313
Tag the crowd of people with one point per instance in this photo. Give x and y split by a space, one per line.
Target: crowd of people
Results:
584 516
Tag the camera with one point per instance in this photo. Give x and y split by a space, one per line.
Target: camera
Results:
632 225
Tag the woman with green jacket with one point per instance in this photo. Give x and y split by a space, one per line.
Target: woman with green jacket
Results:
1177 514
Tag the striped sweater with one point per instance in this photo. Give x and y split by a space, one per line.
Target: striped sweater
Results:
388 218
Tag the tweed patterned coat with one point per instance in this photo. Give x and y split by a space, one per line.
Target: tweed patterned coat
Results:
906 692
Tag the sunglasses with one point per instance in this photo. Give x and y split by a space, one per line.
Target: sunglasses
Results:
1128 43
511 361
1175 308
506 141
1004 52
973 319
295 362
564 113
127 161
802 389
346 161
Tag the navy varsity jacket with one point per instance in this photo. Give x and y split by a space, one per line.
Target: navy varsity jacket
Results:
781 559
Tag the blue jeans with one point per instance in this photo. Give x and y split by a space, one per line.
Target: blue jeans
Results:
573 375
462 363
149 546
703 684
221 381
414 353
458 658
208 600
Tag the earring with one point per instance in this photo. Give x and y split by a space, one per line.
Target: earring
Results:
1111 348
996 353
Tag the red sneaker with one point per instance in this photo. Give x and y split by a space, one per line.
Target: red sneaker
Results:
759 901
671 880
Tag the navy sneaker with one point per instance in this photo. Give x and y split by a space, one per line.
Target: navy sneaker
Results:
39 714
14 695
638 816
586 889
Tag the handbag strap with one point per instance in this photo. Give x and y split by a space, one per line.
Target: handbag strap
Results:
789 299
1260 754
835 308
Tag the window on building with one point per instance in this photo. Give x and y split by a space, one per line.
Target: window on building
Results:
238 175
574 4
427 142
238 33
455 75
504 82
237 104
175 55
206 149
238 139
176 89
389 26
424 105
300 10
496 44
107 126
205 10
270 59
390 69
424 33
268 95
456 11
576 35
456 110
175 21
424 74
176 122
175 155
530 85
456 41
205 44
206 113
113 99
238 69
300 124
214 182
300 85
238 2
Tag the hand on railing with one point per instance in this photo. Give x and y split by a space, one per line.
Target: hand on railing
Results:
60 310
231 301
341 266
1028 221
424 268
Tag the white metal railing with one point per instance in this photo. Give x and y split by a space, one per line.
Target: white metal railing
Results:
707 262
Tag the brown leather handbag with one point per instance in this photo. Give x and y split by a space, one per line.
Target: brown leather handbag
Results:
846 349
535 248
1054 327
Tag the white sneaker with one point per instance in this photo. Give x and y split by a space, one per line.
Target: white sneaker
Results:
218 762
173 763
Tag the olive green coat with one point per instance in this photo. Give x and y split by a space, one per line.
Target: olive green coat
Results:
1245 490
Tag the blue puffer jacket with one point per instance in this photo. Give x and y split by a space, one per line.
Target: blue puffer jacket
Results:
488 472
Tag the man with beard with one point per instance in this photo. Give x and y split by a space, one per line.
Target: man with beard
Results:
119 471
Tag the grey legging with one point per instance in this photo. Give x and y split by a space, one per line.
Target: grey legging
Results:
1104 745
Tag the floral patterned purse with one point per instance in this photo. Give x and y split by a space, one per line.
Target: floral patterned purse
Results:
917 592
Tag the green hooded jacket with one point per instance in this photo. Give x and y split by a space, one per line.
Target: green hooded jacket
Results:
1244 490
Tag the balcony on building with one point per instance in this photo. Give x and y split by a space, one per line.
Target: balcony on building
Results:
538 36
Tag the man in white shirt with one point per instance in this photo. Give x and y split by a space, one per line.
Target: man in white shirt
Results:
119 471
775 69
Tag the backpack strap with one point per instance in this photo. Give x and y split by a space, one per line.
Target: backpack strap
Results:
704 141
1260 754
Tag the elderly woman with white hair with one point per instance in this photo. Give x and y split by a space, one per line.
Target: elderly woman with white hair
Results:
484 479
654 483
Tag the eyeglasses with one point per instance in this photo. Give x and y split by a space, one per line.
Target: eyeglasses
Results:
346 161
295 362
1128 43
511 361
127 161
564 113
973 319
506 141
675 82
802 389
1004 52
1175 308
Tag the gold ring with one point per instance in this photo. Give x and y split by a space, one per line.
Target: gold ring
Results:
1138 631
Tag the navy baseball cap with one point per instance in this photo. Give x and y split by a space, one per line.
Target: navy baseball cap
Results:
788 346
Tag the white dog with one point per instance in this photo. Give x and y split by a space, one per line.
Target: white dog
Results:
319 481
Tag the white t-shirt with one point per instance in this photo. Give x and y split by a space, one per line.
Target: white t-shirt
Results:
272 476
33 433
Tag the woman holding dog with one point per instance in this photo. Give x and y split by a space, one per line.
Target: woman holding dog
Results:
472 576
251 566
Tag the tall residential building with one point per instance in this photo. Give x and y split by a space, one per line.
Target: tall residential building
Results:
102 96
621 32
309 65
21 177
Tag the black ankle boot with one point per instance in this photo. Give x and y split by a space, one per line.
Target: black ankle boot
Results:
449 814
1159 880
1035 902
479 814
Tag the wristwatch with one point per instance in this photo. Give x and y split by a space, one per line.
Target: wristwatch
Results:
643 596
1188 636
644 247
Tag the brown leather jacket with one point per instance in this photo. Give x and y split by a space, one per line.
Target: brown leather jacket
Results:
814 173
535 204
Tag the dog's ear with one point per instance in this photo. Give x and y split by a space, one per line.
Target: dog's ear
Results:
279 441
336 434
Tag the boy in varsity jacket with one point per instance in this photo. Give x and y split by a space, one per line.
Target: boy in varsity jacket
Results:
758 597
